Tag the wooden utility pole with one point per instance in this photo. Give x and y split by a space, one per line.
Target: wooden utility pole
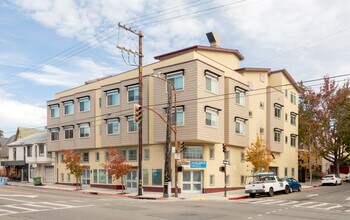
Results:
140 55
167 164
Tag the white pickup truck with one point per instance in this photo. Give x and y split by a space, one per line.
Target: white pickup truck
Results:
266 183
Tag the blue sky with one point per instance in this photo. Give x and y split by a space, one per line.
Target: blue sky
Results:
308 38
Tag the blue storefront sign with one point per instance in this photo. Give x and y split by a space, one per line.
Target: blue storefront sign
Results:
198 164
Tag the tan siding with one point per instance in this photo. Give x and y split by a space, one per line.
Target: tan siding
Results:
274 96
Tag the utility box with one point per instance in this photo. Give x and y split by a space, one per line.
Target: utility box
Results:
167 186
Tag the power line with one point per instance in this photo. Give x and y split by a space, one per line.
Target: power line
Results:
207 97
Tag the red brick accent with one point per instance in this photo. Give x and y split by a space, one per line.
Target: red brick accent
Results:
69 184
107 186
157 189
221 189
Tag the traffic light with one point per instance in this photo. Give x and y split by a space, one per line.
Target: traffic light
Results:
183 147
222 169
180 168
137 113
224 147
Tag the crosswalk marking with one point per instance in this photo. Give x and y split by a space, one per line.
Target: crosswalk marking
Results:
36 205
298 204
332 207
274 202
7 211
302 204
56 204
18 207
318 205
289 203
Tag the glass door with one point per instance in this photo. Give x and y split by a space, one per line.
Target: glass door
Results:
85 179
192 181
131 180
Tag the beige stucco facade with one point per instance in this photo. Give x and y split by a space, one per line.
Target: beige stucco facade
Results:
209 82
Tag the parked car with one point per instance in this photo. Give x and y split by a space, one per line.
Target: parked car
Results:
266 183
331 179
347 177
293 184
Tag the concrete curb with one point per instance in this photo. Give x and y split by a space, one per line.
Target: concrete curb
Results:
238 197
94 193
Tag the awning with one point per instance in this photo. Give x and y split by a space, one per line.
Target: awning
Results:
13 163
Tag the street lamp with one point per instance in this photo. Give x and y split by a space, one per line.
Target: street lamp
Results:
158 75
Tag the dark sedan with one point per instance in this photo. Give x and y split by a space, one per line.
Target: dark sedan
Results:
293 183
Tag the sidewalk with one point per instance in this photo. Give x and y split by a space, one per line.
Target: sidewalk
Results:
231 195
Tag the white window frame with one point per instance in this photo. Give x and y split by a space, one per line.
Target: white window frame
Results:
41 150
174 76
293 140
193 153
136 94
54 109
66 105
66 128
277 135
128 154
179 110
83 158
240 123
55 130
112 122
212 153
97 158
214 80
240 96
212 180
146 154
130 119
214 114
112 93
277 111
293 98
84 100
262 78
293 119
85 127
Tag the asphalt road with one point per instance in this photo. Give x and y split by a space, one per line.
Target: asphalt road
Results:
329 202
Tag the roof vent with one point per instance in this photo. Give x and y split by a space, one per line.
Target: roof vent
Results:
213 39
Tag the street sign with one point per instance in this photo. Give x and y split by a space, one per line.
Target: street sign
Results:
177 156
226 162
198 164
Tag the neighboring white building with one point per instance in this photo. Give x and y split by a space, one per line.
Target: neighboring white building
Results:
36 160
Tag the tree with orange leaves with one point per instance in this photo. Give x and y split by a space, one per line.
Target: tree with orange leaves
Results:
72 160
259 155
115 166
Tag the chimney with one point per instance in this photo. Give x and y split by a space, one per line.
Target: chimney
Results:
213 39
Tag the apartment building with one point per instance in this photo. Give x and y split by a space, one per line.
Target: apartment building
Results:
217 102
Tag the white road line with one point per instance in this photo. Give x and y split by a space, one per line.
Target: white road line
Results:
263 201
347 198
35 205
274 202
289 203
77 201
302 204
7 211
27 196
56 204
318 205
333 207
22 208
16 200
312 195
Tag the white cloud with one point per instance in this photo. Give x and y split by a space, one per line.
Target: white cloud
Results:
14 113
78 71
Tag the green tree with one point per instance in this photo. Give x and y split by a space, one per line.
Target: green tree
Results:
73 164
259 155
115 166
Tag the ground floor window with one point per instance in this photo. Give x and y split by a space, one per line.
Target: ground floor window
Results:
145 177
68 177
212 180
293 172
62 177
156 177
